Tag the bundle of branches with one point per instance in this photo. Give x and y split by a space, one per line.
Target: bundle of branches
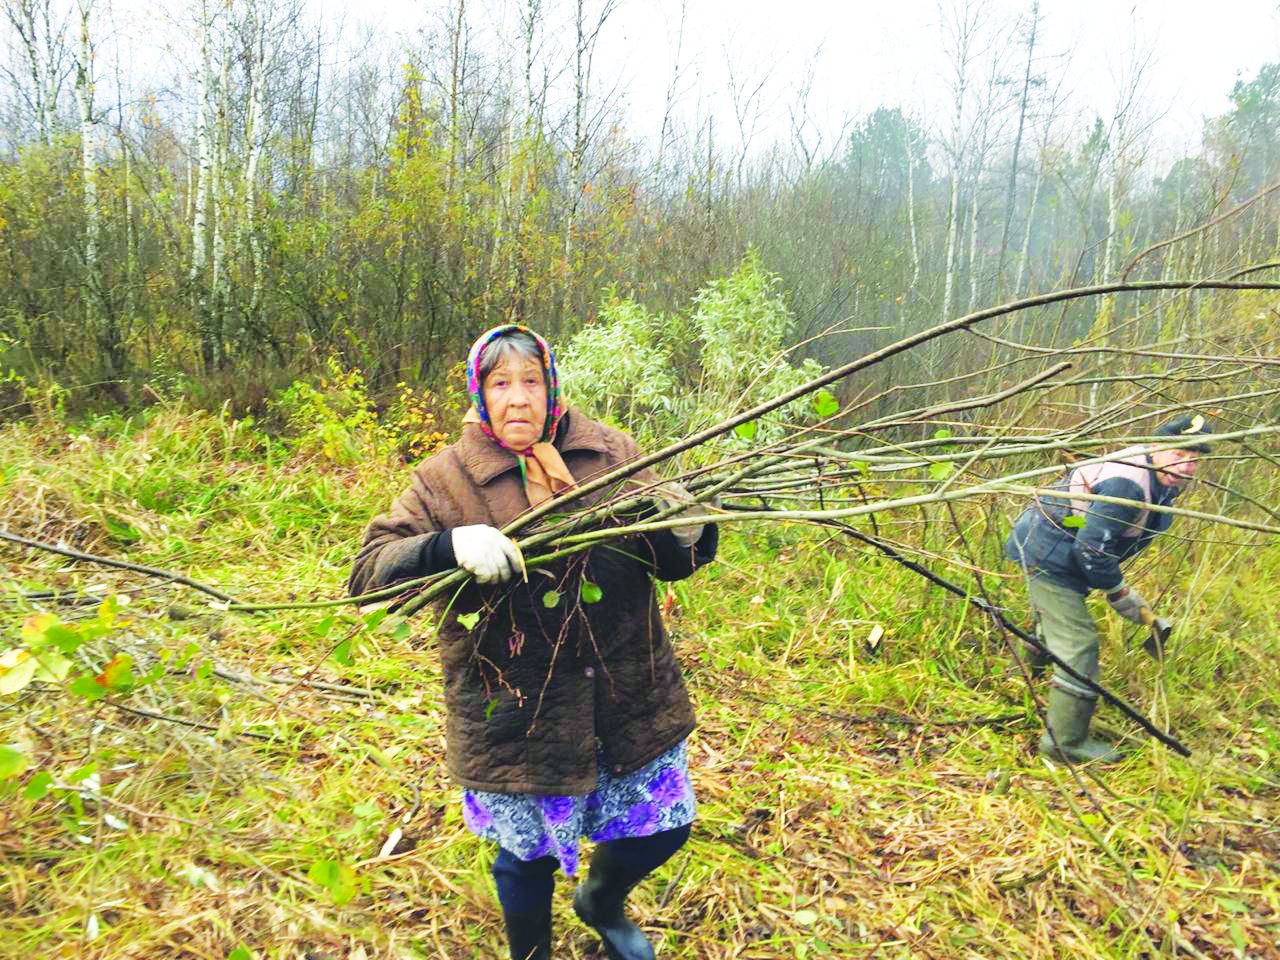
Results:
843 468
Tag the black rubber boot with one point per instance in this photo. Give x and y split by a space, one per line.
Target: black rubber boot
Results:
1068 717
529 934
599 904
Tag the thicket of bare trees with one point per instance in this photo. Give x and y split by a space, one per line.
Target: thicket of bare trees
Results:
298 188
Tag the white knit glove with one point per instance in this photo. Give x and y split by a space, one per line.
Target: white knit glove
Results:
672 494
1127 602
486 553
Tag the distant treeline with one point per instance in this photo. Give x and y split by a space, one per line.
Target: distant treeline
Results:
295 197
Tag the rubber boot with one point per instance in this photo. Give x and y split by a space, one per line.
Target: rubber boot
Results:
1068 717
599 901
529 934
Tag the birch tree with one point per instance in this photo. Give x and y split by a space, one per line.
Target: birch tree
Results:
44 60
1032 27
961 24
200 187
586 31
93 287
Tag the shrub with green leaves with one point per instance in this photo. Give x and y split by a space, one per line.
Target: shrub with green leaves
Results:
338 420
662 376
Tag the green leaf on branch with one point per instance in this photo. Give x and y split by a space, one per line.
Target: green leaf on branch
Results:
1073 522
941 433
12 762
747 431
342 652
240 953
591 593
35 628
469 620
86 685
337 878
38 785
117 675
940 471
550 598
825 404
51 667
63 637
17 669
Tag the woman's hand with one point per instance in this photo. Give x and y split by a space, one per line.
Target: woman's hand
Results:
486 553
672 494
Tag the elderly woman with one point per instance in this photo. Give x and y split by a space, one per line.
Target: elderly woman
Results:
1069 547
566 711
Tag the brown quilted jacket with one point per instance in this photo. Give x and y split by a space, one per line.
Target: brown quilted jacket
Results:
534 694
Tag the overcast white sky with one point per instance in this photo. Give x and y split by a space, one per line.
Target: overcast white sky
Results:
865 54
861 54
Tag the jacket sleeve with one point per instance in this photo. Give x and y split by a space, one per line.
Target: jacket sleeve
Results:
671 561
674 562
404 543
1097 547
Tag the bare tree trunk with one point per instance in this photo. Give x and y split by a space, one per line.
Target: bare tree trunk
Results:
975 209
31 21
963 28
672 90
1025 257
953 219
1011 191
1106 308
254 138
92 288
911 207
219 206
580 87
204 169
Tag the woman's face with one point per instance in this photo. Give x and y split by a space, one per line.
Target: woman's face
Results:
1176 468
515 395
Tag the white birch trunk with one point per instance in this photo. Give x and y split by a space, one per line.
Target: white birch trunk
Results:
911 210
219 207
575 152
1026 234
1109 255
953 217
88 167
254 139
204 166
975 209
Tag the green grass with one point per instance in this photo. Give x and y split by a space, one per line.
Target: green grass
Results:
850 805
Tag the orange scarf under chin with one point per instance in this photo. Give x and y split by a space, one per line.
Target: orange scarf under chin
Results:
542 469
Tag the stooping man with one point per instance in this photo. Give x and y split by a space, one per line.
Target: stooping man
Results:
566 712
1067 547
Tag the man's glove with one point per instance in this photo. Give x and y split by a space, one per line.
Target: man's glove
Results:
672 494
1158 637
1127 602
486 553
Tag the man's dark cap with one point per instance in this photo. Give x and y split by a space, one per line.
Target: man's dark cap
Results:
1192 425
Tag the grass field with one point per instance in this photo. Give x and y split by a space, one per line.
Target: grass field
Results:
856 801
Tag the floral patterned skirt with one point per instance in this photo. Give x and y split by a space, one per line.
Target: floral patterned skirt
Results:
657 797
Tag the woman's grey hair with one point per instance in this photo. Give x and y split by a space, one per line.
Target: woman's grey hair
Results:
517 342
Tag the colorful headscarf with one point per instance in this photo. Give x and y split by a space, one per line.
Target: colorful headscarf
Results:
542 470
